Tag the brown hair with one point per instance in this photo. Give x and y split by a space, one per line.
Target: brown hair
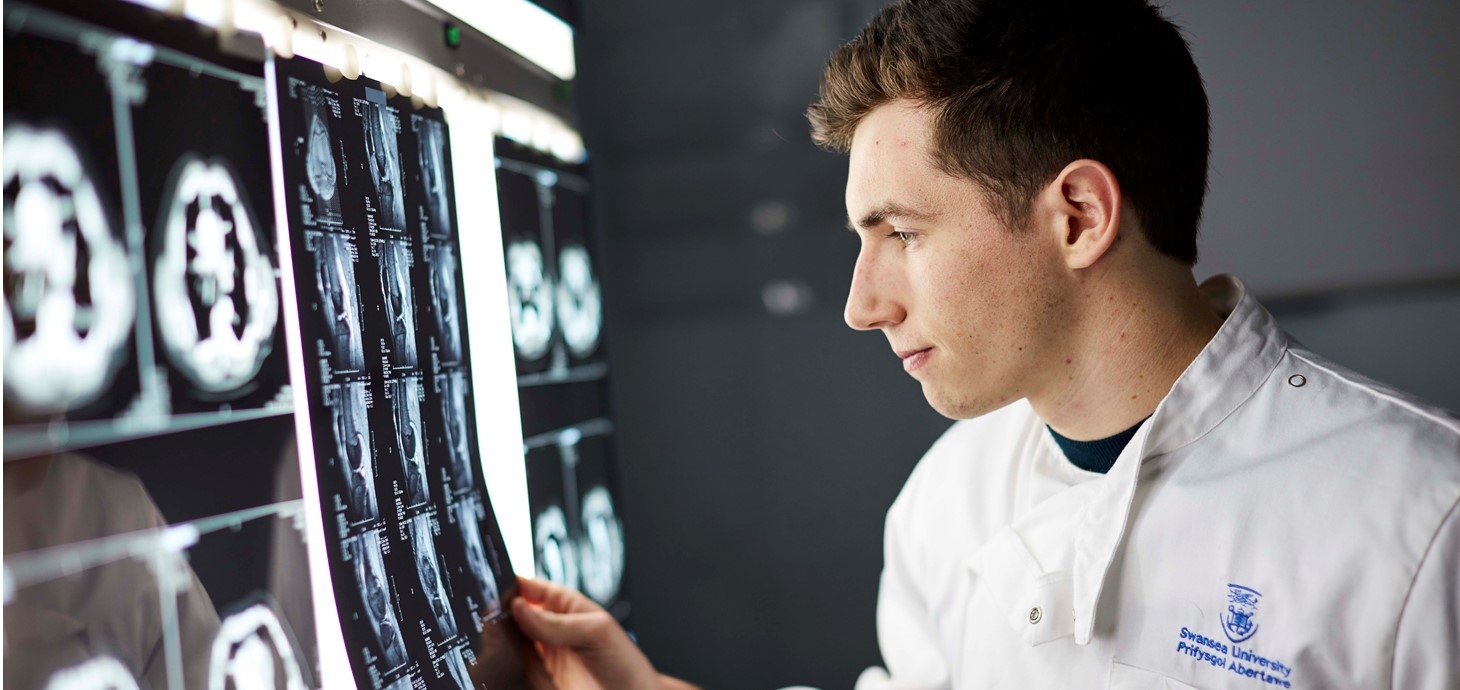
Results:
1020 88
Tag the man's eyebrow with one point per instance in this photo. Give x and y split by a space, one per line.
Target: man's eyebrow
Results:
879 215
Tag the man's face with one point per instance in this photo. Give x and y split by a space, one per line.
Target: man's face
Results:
974 310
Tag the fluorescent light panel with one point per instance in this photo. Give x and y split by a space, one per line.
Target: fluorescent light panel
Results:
529 30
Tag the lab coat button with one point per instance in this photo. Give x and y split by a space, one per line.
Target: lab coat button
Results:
1297 380
1035 615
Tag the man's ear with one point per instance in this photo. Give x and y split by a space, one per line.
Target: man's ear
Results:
1083 206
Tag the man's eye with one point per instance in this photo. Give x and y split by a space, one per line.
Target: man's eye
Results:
906 238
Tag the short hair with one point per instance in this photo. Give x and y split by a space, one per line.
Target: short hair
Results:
1021 88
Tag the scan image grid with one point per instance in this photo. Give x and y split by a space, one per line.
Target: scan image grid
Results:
555 304
415 552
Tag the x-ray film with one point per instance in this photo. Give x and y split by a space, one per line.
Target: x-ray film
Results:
381 125
482 566
454 667
69 297
600 542
337 307
416 556
254 650
428 572
445 303
400 304
353 456
213 283
410 446
146 382
436 208
460 476
554 531
579 296
377 613
101 673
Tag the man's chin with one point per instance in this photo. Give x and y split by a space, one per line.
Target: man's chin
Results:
958 407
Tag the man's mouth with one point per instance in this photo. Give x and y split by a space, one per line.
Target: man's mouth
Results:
912 360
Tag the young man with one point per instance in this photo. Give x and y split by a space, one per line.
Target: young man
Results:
1155 486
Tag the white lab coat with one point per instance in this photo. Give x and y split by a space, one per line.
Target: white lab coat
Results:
1278 522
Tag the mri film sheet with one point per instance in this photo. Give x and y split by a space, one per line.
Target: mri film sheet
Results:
380 123
417 562
400 304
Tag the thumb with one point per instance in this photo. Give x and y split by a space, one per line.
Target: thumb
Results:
573 630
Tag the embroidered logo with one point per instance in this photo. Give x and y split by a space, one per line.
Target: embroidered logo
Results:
1238 620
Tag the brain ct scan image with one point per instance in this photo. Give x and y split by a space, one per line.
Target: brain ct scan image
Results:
334 258
556 557
601 553
429 573
468 512
431 135
454 415
69 295
101 673
216 300
410 445
253 651
579 301
382 157
445 305
376 594
400 303
352 447
529 300
320 166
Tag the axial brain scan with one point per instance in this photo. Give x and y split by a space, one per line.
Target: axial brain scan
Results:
602 550
101 673
556 561
580 301
69 297
213 286
253 652
529 300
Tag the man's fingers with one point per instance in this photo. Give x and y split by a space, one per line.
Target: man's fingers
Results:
534 590
553 597
572 630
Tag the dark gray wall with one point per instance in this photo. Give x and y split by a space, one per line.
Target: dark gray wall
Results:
762 449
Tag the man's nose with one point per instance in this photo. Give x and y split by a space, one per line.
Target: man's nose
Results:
870 304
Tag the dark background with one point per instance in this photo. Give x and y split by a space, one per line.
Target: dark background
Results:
762 441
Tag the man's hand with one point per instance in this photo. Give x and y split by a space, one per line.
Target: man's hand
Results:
581 645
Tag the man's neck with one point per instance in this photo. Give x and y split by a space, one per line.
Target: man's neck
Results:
1134 338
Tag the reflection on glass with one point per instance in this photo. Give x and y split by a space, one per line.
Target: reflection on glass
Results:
111 609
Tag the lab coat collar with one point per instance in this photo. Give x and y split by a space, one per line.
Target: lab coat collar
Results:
1048 603
1228 371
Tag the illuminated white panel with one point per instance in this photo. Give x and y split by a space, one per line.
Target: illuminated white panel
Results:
493 365
334 665
529 30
